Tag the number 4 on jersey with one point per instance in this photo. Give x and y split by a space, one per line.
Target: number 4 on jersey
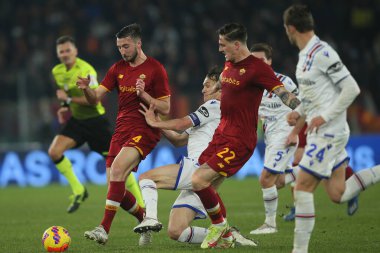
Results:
137 138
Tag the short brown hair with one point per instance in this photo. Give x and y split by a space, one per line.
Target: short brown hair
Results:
234 31
132 30
300 17
64 39
263 47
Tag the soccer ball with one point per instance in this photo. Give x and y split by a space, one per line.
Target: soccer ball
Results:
56 239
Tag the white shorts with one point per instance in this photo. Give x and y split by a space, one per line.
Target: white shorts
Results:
278 157
323 154
190 200
187 166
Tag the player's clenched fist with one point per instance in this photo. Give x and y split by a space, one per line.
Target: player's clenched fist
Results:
140 86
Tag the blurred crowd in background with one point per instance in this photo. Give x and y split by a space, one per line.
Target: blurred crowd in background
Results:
179 33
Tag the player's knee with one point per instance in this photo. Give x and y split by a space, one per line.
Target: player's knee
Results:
280 184
54 154
267 180
174 232
198 183
336 197
144 176
117 170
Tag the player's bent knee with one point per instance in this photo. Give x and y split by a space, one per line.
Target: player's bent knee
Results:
54 154
336 197
198 183
174 232
267 180
117 171
280 184
144 176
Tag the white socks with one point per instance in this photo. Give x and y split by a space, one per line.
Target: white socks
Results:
360 181
149 193
305 220
270 197
193 235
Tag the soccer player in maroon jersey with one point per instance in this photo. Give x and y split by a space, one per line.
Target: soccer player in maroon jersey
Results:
243 79
137 78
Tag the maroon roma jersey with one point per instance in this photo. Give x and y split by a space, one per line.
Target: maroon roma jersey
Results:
243 84
123 77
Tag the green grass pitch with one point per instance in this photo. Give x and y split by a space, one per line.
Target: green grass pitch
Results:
26 212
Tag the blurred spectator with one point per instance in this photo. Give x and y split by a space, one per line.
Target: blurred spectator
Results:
179 33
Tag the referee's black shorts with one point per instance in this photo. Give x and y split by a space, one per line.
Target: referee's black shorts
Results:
95 131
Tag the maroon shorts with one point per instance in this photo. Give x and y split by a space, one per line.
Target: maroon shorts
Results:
143 141
226 156
302 137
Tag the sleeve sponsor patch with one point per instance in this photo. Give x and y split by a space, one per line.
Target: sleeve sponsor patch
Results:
203 110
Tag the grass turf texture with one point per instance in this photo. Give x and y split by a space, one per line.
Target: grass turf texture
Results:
25 213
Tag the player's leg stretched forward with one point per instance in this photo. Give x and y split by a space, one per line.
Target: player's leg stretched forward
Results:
201 181
339 191
59 145
117 196
186 208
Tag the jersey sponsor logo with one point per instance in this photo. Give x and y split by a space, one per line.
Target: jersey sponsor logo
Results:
326 53
203 110
120 76
270 118
273 105
230 80
336 67
129 89
304 81
242 71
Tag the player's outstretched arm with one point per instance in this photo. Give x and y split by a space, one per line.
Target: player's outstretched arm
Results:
177 139
287 97
93 96
180 124
66 99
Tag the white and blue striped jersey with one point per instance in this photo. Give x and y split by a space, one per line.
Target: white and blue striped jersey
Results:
273 111
205 120
319 70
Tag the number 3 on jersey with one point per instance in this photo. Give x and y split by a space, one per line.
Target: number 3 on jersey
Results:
227 155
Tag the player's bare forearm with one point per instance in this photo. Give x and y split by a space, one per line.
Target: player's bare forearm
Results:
153 120
177 139
162 106
90 96
174 124
287 97
299 125
80 100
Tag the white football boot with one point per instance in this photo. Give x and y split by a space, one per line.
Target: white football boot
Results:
98 234
264 229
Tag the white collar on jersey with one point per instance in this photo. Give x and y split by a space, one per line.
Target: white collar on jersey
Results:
312 42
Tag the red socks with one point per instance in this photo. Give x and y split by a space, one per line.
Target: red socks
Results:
209 200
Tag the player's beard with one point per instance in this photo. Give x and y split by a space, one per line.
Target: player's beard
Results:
131 58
